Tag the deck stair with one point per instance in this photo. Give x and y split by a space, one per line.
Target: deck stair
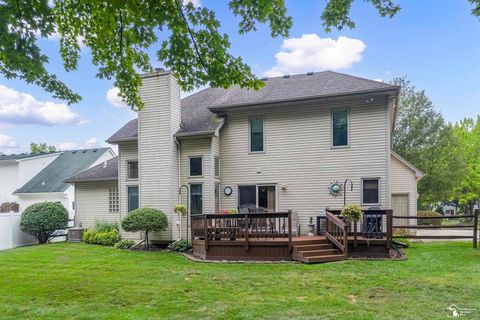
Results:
316 251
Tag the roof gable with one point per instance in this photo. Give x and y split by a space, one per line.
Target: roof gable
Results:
69 163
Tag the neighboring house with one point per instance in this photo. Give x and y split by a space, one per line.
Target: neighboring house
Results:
31 178
278 148
17 169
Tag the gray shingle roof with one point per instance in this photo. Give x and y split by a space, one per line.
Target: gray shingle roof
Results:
52 177
107 171
197 115
24 155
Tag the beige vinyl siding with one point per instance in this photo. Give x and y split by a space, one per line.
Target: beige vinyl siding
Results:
404 181
92 203
298 154
127 151
214 152
197 147
157 122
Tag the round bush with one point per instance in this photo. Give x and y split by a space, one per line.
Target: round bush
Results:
41 220
145 220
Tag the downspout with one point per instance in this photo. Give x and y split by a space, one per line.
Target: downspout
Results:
179 195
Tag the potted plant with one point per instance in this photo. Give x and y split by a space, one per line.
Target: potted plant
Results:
353 214
311 227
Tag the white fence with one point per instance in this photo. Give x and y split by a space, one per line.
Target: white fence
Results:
10 234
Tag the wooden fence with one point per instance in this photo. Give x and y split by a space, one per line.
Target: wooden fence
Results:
466 225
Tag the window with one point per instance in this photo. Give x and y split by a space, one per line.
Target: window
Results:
339 128
370 191
132 198
195 166
196 199
132 169
217 166
253 196
113 204
257 135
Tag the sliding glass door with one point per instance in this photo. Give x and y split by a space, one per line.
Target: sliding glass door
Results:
257 196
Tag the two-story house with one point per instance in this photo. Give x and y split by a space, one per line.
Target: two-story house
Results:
280 148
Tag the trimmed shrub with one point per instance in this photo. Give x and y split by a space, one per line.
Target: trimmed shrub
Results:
145 220
124 244
41 220
181 246
104 233
432 222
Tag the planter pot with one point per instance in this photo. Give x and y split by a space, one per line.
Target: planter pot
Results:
311 228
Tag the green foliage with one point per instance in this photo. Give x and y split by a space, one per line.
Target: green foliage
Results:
467 192
41 220
121 34
41 147
124 244
431 222
352 213
102 226
104 238
180 209
181 246
400 236
422 137
145 220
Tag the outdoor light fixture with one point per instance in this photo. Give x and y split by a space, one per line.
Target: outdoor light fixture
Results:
283 187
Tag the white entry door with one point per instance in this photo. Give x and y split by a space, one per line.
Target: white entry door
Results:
400 208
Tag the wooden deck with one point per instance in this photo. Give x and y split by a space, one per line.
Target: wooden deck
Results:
268 249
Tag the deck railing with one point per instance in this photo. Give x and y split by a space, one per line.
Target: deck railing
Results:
337 232
244 226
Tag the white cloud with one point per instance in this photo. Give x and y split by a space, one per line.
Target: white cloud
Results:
196 3
69 145
313 53
115 99
8 144
22 108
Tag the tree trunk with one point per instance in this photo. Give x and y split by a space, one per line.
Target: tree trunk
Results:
146 241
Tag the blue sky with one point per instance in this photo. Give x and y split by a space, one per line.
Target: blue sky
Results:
432 42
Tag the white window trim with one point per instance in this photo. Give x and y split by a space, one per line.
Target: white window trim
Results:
379 193
331 128
190 199
250 133
256 192
128 170
189 167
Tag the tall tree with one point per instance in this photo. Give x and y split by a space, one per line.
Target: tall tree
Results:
467 193
120 34
41 147
422 137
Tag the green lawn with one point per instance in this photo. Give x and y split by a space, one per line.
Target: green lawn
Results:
80 281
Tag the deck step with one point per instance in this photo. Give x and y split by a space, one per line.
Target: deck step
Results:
310 241
308 247
317 253
320 259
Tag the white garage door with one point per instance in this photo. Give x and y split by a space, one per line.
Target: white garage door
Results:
400 208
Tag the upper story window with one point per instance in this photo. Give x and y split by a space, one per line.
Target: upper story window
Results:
217 166
132 169
196 166
257 134
132 198
370 191
340 128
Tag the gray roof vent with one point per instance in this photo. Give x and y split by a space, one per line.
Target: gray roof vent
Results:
264 79
84 151
286 76
310 73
